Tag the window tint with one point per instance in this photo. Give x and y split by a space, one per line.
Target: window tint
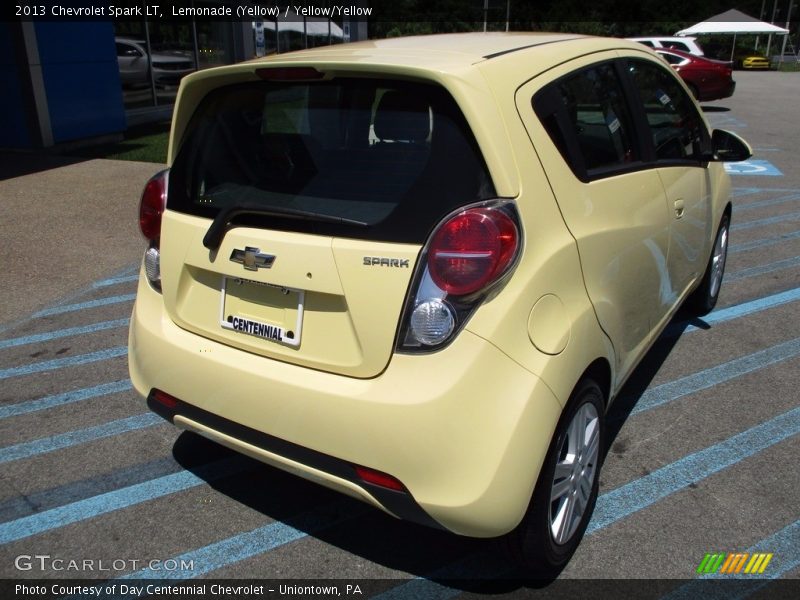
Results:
677 130
677 46
127 50
394 156
673 59
586 114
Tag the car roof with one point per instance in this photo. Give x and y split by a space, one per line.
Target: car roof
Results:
676 52
449 52
664 38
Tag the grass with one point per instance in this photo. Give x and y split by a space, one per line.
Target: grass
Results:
145 143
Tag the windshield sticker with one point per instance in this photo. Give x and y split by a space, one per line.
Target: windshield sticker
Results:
663 98
612 122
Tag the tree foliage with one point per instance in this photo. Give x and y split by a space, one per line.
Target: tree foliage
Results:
602 17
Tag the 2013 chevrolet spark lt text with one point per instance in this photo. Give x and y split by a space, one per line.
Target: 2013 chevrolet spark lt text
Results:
418 270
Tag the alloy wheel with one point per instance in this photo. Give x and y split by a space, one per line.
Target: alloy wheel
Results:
575 473
718 261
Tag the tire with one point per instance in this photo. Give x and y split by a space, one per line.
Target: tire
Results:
545 540
695 92
704 298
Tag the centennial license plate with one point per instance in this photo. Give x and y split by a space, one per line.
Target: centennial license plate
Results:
263 310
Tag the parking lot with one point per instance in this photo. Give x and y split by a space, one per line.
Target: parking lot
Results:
702 456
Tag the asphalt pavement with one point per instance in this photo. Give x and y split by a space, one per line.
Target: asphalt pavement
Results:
702 455
66 223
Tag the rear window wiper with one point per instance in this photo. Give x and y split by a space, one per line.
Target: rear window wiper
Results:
222 222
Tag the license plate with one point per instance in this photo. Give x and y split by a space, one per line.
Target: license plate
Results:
263 310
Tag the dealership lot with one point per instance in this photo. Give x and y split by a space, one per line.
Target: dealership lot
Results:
702 456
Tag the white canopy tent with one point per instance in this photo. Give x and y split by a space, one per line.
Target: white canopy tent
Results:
732 22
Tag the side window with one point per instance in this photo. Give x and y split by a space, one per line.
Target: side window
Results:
126 50
677 129
673 59
588 120
677 46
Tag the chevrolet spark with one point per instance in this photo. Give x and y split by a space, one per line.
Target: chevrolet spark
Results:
418 270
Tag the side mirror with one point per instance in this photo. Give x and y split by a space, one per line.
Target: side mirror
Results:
729 147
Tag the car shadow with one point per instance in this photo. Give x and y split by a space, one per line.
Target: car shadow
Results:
433 558
643 375
714 109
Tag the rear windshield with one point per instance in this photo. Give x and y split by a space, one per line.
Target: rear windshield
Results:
388 159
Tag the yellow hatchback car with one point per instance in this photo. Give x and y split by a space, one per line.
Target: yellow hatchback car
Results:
755 62
418 270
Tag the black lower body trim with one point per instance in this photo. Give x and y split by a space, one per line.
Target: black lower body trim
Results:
401 504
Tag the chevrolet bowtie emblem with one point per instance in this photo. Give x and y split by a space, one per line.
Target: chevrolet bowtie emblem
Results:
252 258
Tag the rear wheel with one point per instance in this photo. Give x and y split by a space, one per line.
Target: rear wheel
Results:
704 298
695 92
566 492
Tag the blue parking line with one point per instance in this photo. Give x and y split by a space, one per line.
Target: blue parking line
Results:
58 310
768 221
219 547
737 311
36 502
21 408
765 203
60 363
611 506
478 566
749 191
738 192
636 495
785 547
58 307
752 167
786 263
753 306
115 281
256 541
707 378
744 246
81 436
629 499
62 333
88 506
118 499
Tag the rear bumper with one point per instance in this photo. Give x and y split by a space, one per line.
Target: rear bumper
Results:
724 90
465 430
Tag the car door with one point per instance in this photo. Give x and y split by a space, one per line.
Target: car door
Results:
681 142
578 118
132 63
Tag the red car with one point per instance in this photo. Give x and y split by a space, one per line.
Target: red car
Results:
708 79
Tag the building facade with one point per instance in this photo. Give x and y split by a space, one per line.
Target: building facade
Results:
70 82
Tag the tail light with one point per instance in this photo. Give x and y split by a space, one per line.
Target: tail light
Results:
379 478
165 399
152 205
151 208
289 73
468 253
